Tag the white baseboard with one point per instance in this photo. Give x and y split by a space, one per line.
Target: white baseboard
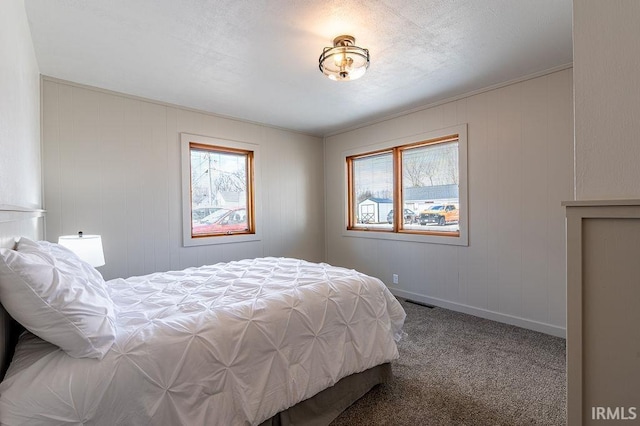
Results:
553 330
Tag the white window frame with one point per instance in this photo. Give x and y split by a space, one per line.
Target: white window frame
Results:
463 238
187 239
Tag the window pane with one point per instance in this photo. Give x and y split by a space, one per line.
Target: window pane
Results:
430 188
372 191
219 197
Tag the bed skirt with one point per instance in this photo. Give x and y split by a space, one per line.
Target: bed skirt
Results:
322 408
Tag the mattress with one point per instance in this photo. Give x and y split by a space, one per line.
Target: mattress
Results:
226 344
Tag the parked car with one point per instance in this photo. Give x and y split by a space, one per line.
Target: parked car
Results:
222 221
409 216
200 213
440 214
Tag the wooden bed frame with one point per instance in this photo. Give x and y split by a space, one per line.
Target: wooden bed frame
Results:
319 410
10 330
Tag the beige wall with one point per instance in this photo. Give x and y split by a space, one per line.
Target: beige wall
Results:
112 167
607 98
602 359
20 179
520 154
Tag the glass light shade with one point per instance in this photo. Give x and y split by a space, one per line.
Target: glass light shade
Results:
344 61
87 247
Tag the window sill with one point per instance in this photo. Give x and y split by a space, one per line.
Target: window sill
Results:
460 240
219 239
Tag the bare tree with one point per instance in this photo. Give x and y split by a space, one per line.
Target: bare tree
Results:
451 162
432 165
363 195
231 182
417 169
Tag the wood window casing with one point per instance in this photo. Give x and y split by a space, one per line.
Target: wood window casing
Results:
398 227
249 183
234 175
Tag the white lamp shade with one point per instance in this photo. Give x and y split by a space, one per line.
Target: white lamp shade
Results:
87 247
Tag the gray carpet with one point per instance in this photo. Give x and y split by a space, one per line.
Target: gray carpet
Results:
457 369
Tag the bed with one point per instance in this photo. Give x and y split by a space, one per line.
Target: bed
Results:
265 341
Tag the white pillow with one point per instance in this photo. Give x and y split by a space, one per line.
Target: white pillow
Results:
57 298
63 254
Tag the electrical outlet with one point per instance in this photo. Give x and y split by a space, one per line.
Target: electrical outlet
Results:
395 278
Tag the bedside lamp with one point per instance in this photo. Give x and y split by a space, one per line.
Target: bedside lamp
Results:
87 247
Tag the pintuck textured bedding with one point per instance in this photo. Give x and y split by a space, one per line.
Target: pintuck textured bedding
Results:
225 344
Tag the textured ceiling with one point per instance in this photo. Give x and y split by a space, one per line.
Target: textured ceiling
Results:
257 60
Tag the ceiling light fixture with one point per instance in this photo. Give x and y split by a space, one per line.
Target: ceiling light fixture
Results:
344 61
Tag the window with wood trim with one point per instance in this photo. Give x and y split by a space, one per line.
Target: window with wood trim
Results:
220 189
412 189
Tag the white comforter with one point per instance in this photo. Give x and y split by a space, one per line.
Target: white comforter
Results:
226 344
